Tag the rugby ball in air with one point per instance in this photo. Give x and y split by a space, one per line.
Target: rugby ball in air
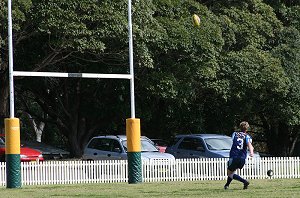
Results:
196 20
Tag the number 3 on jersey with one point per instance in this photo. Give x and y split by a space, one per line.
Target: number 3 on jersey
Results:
240 142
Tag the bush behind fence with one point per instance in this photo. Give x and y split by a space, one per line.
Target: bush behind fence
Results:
108 171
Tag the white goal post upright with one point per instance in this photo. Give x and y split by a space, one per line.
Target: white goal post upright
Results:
133 131
10 63
12 124
131 60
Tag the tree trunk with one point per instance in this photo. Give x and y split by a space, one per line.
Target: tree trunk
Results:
38 129
294 141
75 150
270 135
283 139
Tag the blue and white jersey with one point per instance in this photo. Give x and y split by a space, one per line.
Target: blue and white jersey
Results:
239 145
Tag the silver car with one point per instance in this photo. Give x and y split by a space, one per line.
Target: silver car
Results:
114 147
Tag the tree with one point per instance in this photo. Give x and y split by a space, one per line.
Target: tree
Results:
242 63
19 15
78 117
183 58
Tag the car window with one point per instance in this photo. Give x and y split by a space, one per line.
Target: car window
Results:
218 143
105 144
100 144
146 146
115 146
191 144
149 140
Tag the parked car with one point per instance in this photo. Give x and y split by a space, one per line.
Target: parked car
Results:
201 145
114 147
26 154
49 152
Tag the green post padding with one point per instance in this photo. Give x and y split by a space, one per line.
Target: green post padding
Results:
13 171
134 167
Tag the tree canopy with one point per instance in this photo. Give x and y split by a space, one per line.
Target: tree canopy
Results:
242 63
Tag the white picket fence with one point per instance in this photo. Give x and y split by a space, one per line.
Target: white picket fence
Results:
108 171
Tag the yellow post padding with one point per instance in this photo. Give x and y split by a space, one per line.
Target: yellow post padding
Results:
133 133
12 136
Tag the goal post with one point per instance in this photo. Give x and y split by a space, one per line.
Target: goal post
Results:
132 124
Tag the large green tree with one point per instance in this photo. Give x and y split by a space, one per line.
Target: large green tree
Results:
184 58
287 125
261 86
21 32
241 63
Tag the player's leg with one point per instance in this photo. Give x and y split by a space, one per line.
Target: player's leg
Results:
231 167
239 178
229 178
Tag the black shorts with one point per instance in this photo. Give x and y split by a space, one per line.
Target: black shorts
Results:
235 163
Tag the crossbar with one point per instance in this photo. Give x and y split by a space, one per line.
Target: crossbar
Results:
71 75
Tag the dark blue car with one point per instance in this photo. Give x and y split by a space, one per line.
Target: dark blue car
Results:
201 145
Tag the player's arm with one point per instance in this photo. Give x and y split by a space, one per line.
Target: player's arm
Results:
232 136
251 149
249 144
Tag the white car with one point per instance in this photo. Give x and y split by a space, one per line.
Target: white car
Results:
114 147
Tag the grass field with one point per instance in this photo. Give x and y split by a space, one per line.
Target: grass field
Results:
269 188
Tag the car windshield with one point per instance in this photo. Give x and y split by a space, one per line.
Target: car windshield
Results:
218 143
174 141
146 146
